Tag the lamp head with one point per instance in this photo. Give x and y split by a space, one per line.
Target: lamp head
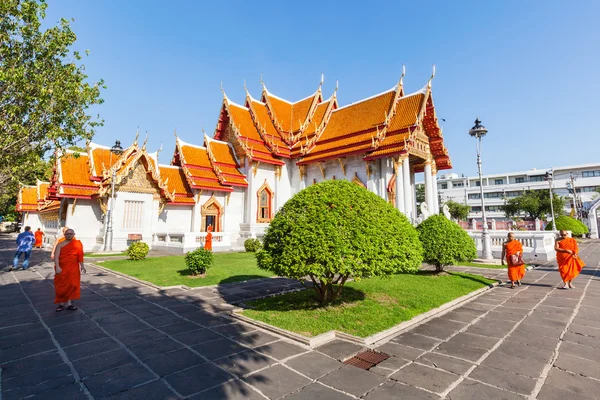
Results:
478 131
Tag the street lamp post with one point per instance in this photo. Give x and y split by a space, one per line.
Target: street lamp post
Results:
116 150
478 131
571 187
550 179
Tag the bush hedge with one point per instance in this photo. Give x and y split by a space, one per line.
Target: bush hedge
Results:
445 242
252 245
199 260
564 222
336 229
137 250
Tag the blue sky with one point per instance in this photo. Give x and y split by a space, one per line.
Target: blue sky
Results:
528 69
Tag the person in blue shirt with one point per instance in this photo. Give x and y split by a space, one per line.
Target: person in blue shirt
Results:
25 242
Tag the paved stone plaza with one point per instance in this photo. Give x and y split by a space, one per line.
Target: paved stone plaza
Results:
129 341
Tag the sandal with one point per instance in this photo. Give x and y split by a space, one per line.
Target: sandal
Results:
60 308
72 307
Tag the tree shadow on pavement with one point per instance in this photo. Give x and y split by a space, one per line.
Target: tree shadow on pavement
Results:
125 341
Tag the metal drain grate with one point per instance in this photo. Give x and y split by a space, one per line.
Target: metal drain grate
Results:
367 359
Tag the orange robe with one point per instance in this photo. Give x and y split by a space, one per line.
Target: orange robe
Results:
38 238
67 284
569 265
208 240
515 273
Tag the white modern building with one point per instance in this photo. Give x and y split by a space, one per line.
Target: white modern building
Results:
497 188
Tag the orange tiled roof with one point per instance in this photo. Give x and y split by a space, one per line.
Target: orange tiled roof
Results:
197 168
309 133
350 129
269 131
290 116
102 158
42 190
242 120
225 163
27 199
407 110
74 177
174 179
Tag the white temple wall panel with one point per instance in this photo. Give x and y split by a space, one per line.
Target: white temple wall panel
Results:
85 218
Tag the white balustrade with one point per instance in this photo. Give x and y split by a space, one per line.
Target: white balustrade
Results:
538 246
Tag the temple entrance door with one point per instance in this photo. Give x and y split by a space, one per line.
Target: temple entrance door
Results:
210 220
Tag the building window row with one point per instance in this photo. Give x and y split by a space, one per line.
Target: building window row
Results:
590 174
487 208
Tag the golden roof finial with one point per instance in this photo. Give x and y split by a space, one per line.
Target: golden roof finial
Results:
159 150
401 81
432 76
322 79
145 141
137 134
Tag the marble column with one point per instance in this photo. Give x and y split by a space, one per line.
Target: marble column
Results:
408 195
429 188
436 200
249 192
196 215
400 205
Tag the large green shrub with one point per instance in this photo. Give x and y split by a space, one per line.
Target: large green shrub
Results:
564 222
252 245
444 242
199 260
335 230
137 250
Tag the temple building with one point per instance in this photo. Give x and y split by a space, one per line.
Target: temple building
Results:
262 153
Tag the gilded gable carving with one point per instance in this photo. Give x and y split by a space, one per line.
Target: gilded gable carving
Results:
137 181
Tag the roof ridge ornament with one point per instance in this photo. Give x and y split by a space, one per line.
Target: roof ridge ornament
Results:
322 80
401 81
432 76
137 134
145 141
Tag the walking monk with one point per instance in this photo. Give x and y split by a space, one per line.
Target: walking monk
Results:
511 250
38 238
569 263
68 265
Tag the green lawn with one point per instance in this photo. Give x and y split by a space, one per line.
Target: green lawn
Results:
367 306
171 270
479 265
100 255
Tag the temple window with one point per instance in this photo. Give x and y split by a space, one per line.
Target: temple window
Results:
133 214
265 201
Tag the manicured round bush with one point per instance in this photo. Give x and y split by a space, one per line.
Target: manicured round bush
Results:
199 260
334 230
137 250
564 222
252 245
445 242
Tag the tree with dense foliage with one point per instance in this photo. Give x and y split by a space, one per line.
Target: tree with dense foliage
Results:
564 222
420 193
458 211
535 204
335 230
44 93
445 242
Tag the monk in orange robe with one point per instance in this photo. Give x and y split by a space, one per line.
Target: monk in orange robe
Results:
569 263
68 266
513 247
39 235
60 238
208 240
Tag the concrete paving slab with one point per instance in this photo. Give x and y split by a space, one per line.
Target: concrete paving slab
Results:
353 380
313 364
432 379
277 381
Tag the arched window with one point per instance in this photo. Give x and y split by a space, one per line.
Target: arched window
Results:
265 204
211 215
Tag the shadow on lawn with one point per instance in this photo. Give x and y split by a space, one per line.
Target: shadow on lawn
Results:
306 300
